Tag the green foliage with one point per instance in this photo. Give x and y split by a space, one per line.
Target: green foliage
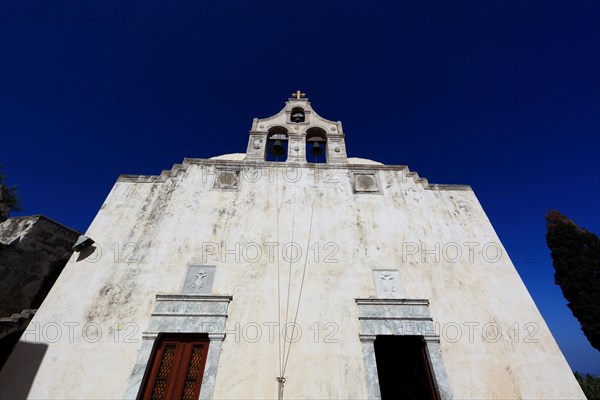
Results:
590 385
576 259
9 196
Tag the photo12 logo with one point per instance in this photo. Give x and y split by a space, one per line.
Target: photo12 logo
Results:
90 332
272 332
451 252
252 252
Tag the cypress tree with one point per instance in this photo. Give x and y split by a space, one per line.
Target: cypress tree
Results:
576 257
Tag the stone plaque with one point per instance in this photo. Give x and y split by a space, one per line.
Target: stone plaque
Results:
226 179
256 147
298 151
366 183
336 145
199 279
388 284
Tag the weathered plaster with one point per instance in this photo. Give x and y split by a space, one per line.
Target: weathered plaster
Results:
165 223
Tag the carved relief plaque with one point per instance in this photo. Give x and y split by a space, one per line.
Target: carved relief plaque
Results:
365 182
226 179
199 279
388 284
256 147
336 145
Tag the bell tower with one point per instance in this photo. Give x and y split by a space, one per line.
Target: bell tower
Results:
308 136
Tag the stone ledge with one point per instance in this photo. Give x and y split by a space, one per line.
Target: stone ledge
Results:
16 322
193 297
437 186
392 301
240 164
25 314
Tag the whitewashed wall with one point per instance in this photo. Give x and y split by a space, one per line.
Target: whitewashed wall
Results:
162 225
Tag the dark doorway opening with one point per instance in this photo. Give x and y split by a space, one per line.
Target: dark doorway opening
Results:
403 368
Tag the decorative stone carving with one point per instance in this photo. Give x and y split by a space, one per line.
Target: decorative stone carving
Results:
227 179
296 144
388 284
256 146
336 150
199 279
365 182
335 144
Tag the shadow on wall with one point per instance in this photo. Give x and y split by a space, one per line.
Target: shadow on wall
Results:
86 252
7 344
16 378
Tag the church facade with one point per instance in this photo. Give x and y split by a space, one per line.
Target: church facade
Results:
289 271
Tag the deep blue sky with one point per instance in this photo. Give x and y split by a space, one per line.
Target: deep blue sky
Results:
501 95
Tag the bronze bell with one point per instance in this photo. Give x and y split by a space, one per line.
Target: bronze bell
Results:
277 148
316 150
298 117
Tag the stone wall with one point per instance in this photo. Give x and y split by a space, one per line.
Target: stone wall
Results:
33 252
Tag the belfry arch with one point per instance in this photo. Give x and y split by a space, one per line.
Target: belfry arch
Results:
297 115
316 145
299 130
277 144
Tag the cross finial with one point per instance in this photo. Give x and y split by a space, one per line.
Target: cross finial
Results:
298 94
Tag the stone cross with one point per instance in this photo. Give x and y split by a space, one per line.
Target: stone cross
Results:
298 94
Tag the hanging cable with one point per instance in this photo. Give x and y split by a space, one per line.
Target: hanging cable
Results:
312 209
285 357
280 359
280 379
287 307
